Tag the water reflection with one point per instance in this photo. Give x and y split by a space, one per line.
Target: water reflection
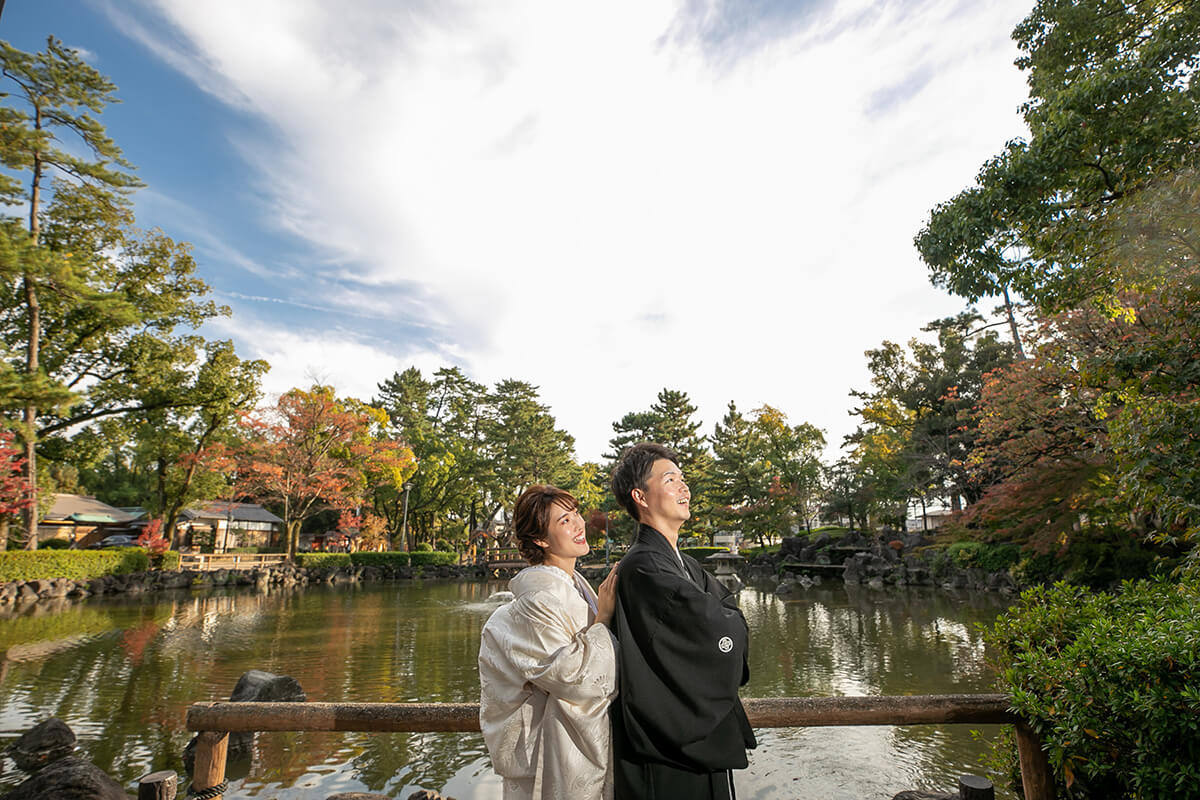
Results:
121 672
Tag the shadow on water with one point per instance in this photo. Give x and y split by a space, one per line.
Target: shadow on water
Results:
122 671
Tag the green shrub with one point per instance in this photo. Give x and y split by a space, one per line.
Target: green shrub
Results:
167 560
750 553
54 544
322 560
422 558
701 553
1111 682
391 559
77 565
424 547
980 555
940 562
1036 568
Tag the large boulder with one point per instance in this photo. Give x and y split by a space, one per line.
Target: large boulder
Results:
791 546
70 778
266 687
255 686
41 745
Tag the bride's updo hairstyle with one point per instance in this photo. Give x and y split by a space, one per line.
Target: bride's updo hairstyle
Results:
531 516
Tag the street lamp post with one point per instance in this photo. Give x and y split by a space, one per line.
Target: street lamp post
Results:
404 525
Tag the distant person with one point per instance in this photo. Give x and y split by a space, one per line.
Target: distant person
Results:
678 726
547 662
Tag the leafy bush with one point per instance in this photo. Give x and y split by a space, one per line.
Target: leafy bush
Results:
701 553
750 553
424 547
168 560
322 560
421 558
77 565
980 555
386 560
1100 560
54 544
1111 682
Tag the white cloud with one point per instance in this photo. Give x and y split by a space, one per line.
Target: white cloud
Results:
569 197
299 358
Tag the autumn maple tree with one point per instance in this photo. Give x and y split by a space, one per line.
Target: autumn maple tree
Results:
14 490
311 451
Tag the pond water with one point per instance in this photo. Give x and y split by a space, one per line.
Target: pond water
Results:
121 672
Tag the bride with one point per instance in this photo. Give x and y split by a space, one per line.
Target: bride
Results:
547 665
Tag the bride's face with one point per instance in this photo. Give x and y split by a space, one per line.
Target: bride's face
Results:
564 537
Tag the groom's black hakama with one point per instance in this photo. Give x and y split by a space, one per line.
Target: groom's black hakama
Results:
678 725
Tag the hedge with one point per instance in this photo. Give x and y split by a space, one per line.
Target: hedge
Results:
384 560
322 560
435 558
168 560
701 553
1111 682
76 565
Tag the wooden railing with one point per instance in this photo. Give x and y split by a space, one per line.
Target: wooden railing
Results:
215 721
206 562
495 557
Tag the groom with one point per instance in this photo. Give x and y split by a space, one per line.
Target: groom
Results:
678 725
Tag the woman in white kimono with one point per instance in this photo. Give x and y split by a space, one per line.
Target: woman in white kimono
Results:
547 664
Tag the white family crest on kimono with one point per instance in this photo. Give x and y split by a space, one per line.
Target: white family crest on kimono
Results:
546 680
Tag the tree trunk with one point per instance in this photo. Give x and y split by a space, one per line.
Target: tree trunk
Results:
4 522
30 513
33 348
293 539
1012 326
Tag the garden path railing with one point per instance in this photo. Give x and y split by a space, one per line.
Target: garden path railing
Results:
207 562
215 721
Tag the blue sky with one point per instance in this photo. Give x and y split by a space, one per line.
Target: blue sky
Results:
602 199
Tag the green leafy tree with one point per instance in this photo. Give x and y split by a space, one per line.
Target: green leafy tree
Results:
525 446
793 458
442 420
95 314
671 421
740 474
1112 108
918 422
52 97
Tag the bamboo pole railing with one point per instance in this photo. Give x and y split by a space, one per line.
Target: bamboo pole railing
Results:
214 721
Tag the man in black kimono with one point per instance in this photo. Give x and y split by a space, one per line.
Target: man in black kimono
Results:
678 725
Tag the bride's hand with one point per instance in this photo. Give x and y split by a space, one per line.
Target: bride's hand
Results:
606 597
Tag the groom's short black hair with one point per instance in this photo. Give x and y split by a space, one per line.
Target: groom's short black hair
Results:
633 470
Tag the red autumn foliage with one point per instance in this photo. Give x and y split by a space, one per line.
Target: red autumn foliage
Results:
152 539
310 452
14 489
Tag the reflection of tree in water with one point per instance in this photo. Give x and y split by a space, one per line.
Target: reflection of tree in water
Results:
851 640
929 750
833 640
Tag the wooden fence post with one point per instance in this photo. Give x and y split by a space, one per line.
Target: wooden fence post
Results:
209 772
1036 777
158 785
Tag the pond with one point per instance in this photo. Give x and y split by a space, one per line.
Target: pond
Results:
121 672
